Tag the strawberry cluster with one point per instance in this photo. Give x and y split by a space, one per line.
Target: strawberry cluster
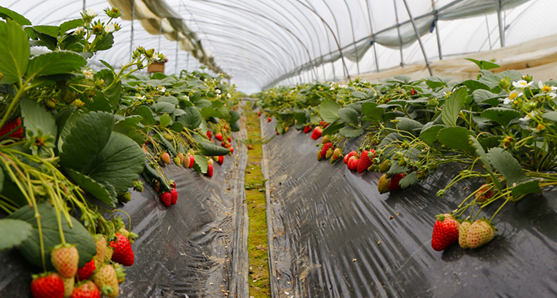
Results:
101 275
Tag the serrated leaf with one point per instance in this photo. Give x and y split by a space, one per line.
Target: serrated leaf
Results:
200 164
429 135
491 142
210 149
390 138
165 120
552 116
358 94
484 159
30 248
507 166
486 97
55 63
129 126
453 105
351 132
177 127
14 52
234 116
348 115
396 169
474 85
502 116
36 117
407 124
105 194
170 99
456 138
6 13
105 43
408 180
164 107
191 119
371 110
14 232
333 128
71 24
526 188
146 114
482 64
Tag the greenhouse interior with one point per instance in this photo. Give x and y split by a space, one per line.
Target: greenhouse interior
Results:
278 148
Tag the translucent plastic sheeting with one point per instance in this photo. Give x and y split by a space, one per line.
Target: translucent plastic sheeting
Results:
330 234
196 248
266 42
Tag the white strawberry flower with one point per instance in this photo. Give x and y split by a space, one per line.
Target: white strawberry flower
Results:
514 94
109 28
521 84
88 73
217 91
90 13
545 88
161 89
228 95
78 30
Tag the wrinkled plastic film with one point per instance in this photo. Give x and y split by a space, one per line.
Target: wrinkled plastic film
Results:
196 248
332 235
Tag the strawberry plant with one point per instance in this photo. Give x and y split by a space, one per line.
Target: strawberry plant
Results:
502 127
71 137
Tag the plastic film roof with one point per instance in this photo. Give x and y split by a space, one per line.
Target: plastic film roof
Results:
260 43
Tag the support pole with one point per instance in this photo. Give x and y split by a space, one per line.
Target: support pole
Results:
160 33
131 37
419 38
501 26
84 4
176 58
371 28
435 14
399 37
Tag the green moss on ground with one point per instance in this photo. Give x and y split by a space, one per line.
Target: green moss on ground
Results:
257 212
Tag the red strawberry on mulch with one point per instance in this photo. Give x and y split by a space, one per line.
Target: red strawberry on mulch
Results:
123 252
347 156
316 134
86 290
365 160
209 134
394 183
173 196
218 136
47 285
353 163
307 129
445 232
86 271
210 171
220 160
325 148
166 198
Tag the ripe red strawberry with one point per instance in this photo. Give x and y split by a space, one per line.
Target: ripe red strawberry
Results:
484 193
64 258
220 161
413 92
11 125
394 183
307 129
347 156
86 290
172 184
365 161
106 279
210 171
173 196
259 114
316 134
326 124
218 136
325 148
231 150
48 285
269 119
229 140
123 252
353 163
192 161
445 232
209 134
166 198
86 271
480 233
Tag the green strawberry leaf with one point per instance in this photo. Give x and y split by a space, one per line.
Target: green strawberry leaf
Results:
31 249
502 116
192 119
456 138
351 132
328 109
129 126
201 165
526 188
165 120
453 105
507 166
36 117
210 149
349 116
408 180
482 64
170 99
14 232
52 63
333 128
552 116
164 107
429 134
147 115
371 110
14 52
105 193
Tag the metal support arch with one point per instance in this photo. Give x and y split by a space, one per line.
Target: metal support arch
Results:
501 25
419 38
371 29
436 21
399 37
353 37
